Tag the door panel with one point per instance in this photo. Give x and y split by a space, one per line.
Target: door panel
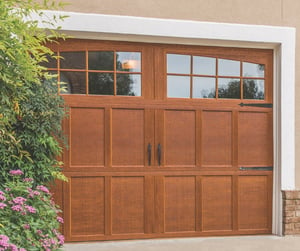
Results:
128 137
255 136
216 138
127 195
180 138
180 203
254 202
217 203
87 206
86 137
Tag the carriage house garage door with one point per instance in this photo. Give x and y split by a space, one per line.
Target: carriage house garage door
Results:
165 140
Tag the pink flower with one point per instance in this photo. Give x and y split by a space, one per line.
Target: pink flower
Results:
60 219
2 205
15 172
1 193
30 209
4 241
61 239
27 179
13 247
2 197
17 208
43 189
26 226
19 200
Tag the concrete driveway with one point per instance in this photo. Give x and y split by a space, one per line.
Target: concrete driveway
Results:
245 243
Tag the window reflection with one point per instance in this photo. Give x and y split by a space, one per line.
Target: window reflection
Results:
129 61
253 89
129 84
228 67
101 83
178 87
204 65
253 70
178 64
72 60
73 82
229 88
204 87
101 60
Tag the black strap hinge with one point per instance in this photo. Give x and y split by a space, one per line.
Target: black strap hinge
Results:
256 168
263 105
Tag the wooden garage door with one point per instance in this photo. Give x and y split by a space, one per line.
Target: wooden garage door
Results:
165 140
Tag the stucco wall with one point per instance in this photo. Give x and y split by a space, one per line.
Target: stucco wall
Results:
263 12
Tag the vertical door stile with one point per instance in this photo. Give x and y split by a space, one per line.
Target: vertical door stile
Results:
199 214
108 138
149 204
108 206
198 139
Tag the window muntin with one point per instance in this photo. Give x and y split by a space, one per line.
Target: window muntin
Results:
112 73
193 76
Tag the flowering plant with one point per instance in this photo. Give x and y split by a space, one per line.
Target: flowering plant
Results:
28 216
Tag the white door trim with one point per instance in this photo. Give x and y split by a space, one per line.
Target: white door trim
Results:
280 39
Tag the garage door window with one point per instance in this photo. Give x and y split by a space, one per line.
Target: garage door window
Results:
99 72
190 76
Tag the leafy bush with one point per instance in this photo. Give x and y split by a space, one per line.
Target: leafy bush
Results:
28 216
30 110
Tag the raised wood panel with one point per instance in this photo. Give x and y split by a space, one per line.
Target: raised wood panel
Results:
128 204
180 202
86 206
217 203
86 137
128 137
216 138
255 139
180 140
253 203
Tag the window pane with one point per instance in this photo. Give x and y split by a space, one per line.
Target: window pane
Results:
228 67
129 84
129 61
101 83
254 89
72 60
178 63
229 88
178 87
72 82
101 60
253 70
204 66
204 87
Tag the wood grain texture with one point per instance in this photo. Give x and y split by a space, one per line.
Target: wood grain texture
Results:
86 137
216 138
128 205
87 205
198 189
180 202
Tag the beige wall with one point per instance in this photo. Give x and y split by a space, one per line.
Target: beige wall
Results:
264 12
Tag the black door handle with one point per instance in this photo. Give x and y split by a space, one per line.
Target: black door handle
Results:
159 154
149 154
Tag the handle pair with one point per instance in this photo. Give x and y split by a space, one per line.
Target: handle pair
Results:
158 154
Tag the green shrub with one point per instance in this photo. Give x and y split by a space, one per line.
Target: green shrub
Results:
30 110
